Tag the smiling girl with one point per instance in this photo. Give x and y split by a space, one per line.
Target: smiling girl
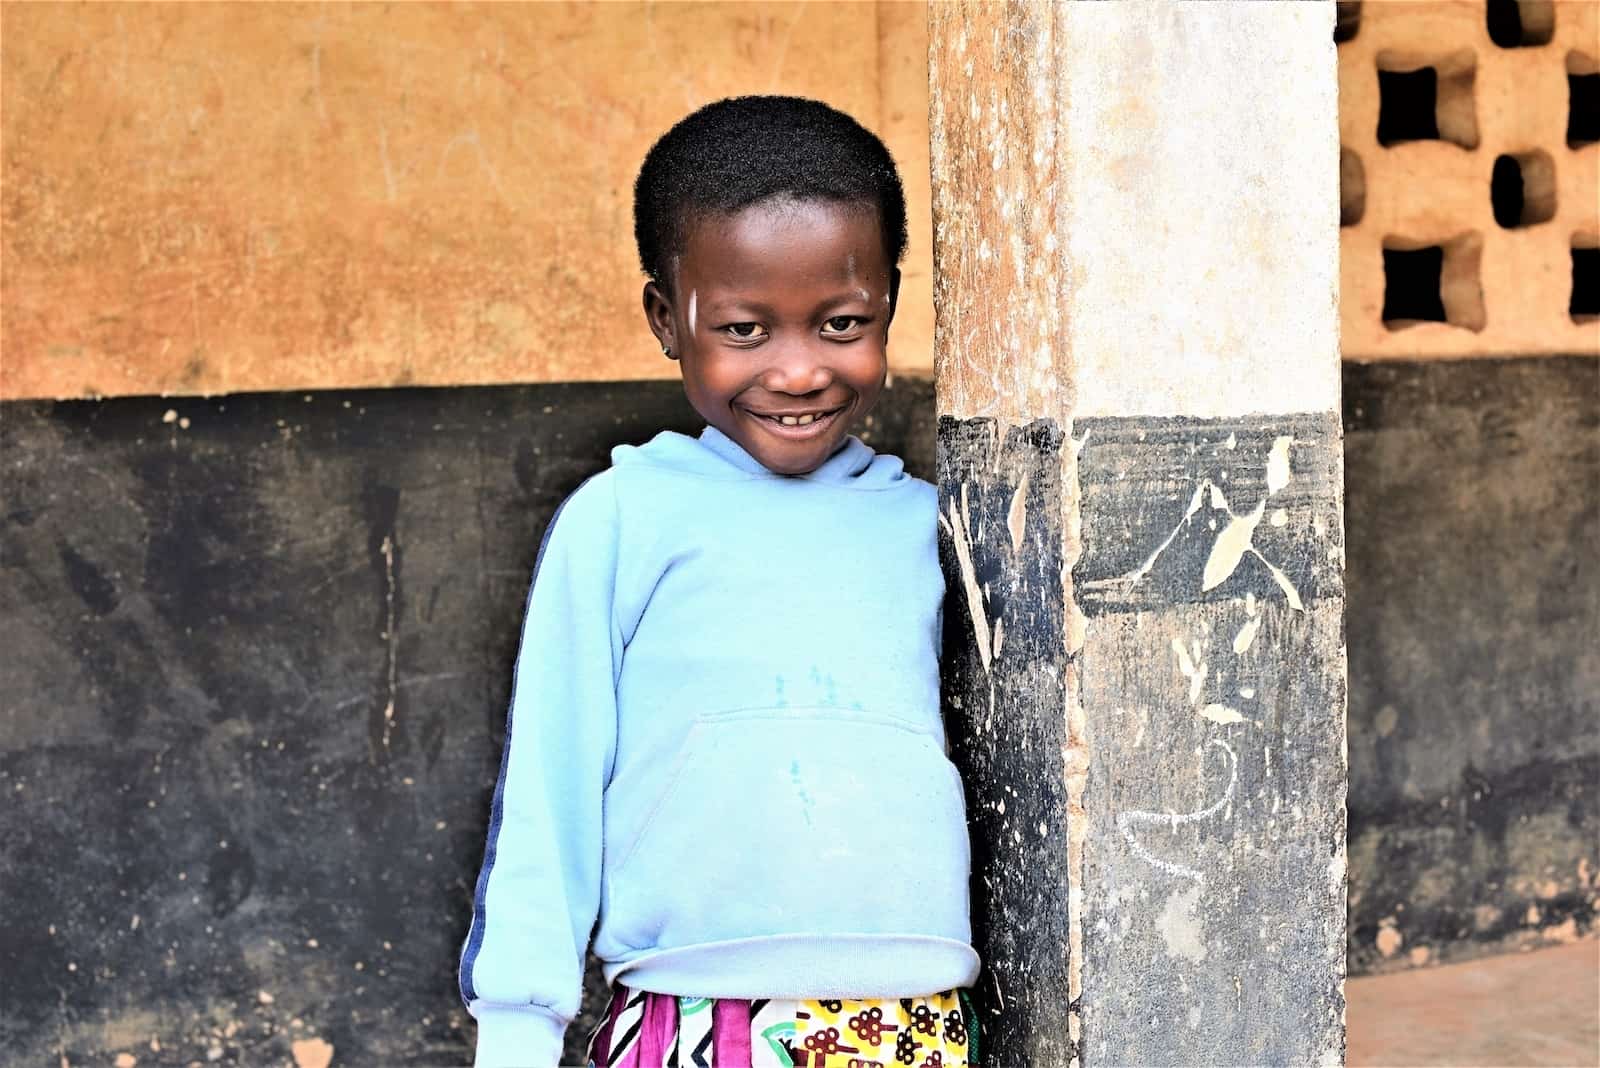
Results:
724 739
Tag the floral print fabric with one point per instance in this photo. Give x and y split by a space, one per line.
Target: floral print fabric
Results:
641 1029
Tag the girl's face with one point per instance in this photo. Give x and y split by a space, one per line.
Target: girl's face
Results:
779 315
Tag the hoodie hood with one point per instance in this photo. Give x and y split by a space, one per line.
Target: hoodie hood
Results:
715 455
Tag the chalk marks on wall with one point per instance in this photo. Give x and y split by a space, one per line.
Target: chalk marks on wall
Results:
1127 821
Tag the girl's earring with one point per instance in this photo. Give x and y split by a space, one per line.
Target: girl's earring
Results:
667 351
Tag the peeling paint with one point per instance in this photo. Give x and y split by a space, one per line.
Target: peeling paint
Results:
1180 927
311 1053
1389 938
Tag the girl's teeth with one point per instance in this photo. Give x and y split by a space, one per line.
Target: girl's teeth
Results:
801 420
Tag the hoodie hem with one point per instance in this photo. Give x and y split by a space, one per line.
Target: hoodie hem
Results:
804 966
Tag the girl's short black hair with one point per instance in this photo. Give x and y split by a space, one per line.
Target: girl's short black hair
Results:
746 149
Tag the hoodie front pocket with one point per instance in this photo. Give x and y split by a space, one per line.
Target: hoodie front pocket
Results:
777 821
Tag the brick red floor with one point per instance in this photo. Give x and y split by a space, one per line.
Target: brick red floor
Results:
1535 1008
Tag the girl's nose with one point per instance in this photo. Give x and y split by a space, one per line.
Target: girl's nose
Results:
796 368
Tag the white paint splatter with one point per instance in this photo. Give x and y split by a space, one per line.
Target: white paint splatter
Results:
1196 674
1282 580
1221 714
1185 665
1230 547
1017 514
1236 539
1188 513
956 526
1246 635
391 634
1278 464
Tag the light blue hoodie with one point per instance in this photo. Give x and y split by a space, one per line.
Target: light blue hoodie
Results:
724 740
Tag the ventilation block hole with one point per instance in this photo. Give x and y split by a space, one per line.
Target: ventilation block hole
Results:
1352 188
1585 304
1407 106
1521 23
1346 20
1411 286
1426 100
1433 283
1522 190
1583 99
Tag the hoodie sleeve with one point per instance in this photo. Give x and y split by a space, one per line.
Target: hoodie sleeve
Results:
539 890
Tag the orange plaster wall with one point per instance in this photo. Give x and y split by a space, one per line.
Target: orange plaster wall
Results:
220 198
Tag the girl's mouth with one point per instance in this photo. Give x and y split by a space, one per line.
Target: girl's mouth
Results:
798 427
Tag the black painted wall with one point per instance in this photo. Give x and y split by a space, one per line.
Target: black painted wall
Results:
255 669
254 681
1472 514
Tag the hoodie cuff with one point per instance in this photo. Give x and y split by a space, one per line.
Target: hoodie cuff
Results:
518 1037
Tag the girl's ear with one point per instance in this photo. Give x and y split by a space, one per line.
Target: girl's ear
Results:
658 316
894 295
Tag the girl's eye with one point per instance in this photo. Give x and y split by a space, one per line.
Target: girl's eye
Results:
841 324
746 331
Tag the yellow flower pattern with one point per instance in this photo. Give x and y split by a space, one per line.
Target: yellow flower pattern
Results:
925 1032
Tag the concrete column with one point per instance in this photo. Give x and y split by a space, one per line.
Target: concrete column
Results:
1136 254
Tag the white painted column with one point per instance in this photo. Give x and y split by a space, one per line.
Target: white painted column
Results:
1136 245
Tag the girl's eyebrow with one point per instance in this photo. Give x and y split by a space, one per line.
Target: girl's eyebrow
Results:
729 305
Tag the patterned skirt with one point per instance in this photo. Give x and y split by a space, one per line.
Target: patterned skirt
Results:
640 1029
